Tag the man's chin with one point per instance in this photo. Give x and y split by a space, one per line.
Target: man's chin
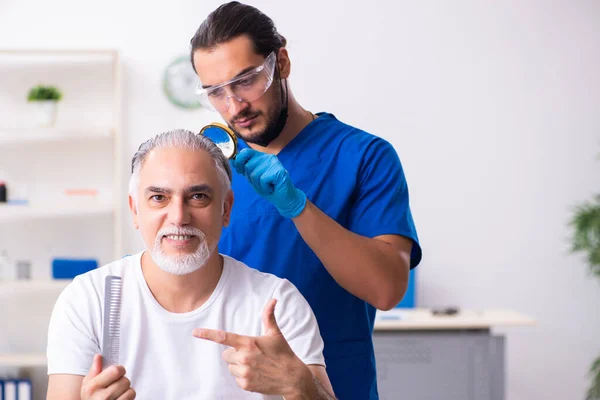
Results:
259 139
180 252
248 134
179 266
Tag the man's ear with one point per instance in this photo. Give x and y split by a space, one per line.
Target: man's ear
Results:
284 63
227 206
134 212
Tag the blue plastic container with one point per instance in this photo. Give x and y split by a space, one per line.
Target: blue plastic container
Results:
69 268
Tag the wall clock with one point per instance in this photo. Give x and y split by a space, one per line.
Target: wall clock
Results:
179 83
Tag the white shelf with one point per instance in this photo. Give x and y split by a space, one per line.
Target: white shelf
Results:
85 130
18 212
23 360
24 135
37 285
56 56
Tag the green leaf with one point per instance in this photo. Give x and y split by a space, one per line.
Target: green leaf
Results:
586 233
586 239
594 390
41 92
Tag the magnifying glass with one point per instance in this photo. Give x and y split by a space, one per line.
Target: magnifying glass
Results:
223 137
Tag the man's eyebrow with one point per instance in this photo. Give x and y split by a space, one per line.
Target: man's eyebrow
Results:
156 189
242 72
203 188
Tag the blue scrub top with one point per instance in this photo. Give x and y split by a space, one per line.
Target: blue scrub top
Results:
357 179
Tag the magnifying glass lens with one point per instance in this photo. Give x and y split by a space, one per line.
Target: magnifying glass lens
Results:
221 138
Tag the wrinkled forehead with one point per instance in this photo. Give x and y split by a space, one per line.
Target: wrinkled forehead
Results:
226 61
178 168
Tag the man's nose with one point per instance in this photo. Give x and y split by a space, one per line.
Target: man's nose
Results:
235 106
179 213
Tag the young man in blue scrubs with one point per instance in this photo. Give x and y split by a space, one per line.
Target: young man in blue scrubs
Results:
318 202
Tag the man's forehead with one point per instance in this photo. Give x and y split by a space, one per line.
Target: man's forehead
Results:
226 61
167 155
178 164
158 182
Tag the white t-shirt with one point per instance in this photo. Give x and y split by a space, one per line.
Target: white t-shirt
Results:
162 358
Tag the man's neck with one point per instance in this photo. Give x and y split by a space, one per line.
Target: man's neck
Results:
182 293
297 120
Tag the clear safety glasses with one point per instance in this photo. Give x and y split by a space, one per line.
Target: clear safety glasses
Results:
244 88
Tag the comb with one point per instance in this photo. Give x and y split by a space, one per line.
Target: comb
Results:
112 321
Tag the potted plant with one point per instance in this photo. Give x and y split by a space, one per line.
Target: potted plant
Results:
45 100
586 239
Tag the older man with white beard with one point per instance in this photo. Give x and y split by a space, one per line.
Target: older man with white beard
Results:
194 324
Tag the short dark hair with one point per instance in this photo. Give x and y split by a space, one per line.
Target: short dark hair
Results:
235 19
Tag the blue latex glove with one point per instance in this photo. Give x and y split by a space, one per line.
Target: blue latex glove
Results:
270 180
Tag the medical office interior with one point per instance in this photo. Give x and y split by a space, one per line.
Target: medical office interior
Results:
492 108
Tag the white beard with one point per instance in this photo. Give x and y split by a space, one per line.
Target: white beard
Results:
180 264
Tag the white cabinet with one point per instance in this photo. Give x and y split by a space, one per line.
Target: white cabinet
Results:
64 181
64 185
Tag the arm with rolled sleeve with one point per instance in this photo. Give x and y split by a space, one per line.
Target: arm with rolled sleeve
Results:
373 257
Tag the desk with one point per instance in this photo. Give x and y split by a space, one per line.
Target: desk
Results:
421 356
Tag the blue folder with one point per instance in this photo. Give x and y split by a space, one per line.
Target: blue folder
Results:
69 268
15 389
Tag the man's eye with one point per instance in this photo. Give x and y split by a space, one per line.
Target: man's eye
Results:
216 92
157 197
248 81
199 196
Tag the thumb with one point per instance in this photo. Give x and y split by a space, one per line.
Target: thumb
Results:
269 321
96 367
242 158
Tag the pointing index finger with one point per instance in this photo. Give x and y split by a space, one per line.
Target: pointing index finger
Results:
222 337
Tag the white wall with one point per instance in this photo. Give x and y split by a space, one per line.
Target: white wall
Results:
492 108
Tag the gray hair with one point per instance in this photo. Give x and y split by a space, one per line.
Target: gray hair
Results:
181 139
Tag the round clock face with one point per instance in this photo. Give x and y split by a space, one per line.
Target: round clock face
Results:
180 82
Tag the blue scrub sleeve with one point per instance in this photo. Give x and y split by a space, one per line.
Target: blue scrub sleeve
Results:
381 204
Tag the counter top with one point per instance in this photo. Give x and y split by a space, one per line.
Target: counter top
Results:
401 319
